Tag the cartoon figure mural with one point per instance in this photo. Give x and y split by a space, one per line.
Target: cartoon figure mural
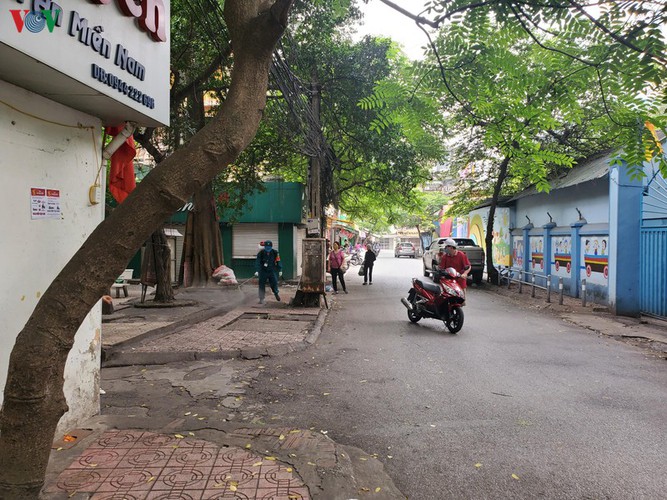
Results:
475 226
517 252
501 237
594 260
536 253
476 230
562 258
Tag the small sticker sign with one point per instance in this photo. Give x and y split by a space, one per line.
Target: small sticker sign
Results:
45 203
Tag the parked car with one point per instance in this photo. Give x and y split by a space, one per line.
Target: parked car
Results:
474 252
405 249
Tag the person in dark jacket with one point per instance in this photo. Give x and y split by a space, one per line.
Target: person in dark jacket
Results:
369 260
268 267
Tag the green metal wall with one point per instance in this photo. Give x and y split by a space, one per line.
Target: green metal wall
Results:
280 202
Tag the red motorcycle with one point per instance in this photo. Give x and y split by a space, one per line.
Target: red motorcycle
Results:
441 300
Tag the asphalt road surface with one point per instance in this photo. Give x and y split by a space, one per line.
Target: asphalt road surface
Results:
517 405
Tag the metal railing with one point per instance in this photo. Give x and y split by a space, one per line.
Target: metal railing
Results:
509 275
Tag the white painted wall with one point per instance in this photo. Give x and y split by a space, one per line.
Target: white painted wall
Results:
45 144
592 198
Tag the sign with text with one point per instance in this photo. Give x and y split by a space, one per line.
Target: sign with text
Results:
44 203
108 58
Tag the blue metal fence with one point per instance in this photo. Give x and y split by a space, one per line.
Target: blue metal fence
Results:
653 246
653 273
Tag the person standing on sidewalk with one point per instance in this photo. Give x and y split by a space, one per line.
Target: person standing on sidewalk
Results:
268 267
336 261
369 260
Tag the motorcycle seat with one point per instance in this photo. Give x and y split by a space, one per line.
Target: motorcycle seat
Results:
431 287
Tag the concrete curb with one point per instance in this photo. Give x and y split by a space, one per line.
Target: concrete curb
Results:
314 334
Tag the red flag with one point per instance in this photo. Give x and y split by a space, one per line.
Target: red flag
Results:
121 176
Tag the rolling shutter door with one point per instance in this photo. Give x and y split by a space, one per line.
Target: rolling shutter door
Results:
246 238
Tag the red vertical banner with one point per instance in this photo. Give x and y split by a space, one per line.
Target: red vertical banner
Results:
121 175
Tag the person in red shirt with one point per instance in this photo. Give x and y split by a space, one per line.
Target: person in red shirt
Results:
451 257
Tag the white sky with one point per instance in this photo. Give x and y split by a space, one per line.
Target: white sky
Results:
379 19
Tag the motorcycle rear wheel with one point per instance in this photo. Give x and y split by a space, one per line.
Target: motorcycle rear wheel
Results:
414 316
455 321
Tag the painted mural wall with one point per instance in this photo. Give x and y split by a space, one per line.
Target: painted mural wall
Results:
517 252
537 254
474 226
594 259
561 250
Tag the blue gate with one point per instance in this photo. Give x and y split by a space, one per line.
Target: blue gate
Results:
653 247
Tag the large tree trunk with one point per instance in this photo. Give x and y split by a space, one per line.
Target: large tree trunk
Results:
34 399
164 292
491 270
202 246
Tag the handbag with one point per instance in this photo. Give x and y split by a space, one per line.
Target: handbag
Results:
343 266
362 269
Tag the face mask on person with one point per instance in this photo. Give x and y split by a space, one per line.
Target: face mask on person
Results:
267 248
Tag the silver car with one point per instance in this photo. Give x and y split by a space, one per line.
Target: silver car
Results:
405 249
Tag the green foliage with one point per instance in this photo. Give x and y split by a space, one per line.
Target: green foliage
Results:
365 172
608 51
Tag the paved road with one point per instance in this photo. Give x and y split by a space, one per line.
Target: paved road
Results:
517 405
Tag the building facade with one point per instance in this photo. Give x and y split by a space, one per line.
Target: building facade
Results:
52 113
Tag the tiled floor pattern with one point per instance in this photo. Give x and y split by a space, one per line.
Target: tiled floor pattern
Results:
236 330
136 465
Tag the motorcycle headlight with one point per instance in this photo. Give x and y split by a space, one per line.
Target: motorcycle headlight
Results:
450 290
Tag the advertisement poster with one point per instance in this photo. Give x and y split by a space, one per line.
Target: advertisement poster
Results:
44 203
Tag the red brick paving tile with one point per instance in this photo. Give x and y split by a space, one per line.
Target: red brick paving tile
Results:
173 478
130 480
118 439
225 475
120 496
83 480
100 458
150 439
236 458
193 457
281 494
146 457
227 494
175 495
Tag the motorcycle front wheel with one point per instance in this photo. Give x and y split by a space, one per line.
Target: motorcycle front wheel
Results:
455 321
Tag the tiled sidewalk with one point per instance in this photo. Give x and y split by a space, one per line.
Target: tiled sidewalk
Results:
137 465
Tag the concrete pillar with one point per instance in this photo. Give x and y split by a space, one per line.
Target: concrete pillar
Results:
526 246
575 255
547 247
624 234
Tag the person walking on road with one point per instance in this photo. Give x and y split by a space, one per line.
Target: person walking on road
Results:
369 260
268 267
336 263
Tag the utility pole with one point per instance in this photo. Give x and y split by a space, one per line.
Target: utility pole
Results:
313 280
314 173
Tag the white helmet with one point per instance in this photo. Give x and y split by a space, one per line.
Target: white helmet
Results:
450 243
